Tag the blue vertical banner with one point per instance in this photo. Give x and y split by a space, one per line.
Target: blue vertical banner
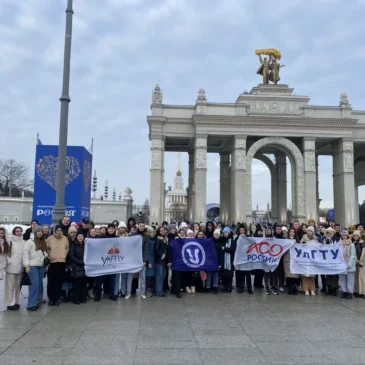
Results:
77 183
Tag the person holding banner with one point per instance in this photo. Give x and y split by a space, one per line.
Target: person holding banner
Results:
229 249
309 285
141 231
331 280
347 280
107 281
76 255
292 280
160 260
242 276
213 276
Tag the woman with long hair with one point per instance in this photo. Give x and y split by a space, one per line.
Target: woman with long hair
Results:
14 269
35 251
161 247
4 250
79 285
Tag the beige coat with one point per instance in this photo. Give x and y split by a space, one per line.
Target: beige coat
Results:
360 274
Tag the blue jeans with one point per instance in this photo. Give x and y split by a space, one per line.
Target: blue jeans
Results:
142 281
36 288
160 273
212 279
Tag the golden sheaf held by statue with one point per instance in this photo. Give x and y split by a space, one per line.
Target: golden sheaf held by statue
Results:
269 52
269 68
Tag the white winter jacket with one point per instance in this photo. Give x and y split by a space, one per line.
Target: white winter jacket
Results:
15 260
31 257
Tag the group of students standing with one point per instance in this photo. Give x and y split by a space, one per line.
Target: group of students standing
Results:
58 253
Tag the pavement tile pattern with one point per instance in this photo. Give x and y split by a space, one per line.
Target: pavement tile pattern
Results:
198 329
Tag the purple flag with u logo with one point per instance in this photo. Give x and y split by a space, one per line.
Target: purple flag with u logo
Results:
193 254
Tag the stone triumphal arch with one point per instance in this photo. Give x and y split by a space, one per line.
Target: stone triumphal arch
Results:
268 120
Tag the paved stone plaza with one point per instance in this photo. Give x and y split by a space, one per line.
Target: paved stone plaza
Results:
200 329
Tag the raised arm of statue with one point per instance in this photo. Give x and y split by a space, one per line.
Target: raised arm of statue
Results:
270 58
260 58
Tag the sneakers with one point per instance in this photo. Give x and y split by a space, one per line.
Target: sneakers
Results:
215 290
193 290
281 289
343 295
313 293
250 291
267 292
91 294
349 296
306 293
143 296
274 291
187 289
128 296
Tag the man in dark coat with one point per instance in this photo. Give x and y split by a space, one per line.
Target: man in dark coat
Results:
29 231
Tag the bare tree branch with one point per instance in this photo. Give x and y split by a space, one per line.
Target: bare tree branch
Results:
14 174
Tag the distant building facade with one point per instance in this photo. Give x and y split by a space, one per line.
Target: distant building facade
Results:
176 200
19 210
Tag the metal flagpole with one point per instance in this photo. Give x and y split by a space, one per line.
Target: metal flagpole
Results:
59 208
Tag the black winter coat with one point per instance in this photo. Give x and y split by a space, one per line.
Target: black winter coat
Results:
161 249
76 255
231 250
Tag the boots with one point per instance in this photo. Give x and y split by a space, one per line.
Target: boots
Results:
344 295
324 288
329 290
334 292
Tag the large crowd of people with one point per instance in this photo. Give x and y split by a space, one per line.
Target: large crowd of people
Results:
58 253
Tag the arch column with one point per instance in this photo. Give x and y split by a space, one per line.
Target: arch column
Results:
240 203
191 185
225 187
200 179
310 178
281 187
344 182
157 175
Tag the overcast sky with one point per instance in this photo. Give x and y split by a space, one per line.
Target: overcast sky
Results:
122 48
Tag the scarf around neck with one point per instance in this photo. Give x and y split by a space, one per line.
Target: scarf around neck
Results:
346 244
227 256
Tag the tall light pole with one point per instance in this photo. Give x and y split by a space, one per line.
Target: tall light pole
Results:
59 208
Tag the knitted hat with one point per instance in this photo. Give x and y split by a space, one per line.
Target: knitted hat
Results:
226 230
283 228
310 229
122 225
37 229
357 233
72 229
217 231
189 231
183 225
148 228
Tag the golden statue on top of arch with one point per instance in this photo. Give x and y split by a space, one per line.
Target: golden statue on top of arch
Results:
269 68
